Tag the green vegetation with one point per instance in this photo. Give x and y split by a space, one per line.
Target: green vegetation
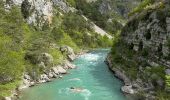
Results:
120 53
167 77
21 45
81 32
72 2
146 4
91 11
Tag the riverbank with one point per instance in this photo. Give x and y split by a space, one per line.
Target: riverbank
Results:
91 75
132 89
127 88
56 72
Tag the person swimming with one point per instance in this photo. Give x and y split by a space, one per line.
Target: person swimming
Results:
73 89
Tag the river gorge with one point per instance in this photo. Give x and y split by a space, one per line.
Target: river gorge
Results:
91 75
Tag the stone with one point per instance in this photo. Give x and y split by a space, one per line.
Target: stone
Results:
55 70
42 65
46 58
50 75
27 77
127 89
7 98
167 71
63 6
60 76
68 65
54 75
44 78
69 52
61 70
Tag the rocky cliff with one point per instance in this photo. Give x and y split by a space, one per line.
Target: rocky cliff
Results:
120 7
110 15
142 52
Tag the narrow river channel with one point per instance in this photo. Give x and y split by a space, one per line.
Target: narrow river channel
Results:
91 75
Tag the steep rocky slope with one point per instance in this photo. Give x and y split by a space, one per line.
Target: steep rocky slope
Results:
141 53
110 15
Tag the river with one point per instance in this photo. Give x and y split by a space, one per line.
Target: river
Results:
92 75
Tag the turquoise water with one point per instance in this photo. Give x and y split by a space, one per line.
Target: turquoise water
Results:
91 74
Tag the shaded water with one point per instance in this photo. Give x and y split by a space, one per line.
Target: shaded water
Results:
92 74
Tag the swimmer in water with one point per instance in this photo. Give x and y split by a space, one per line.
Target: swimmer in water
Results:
76 89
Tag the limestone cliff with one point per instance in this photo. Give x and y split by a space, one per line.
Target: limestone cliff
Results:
142 52
120 7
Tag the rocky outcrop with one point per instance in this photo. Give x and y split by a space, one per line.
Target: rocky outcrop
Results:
68 51
63 6
36 12
151 33
39 12
45 59
127 88
54 72
143 48
121 7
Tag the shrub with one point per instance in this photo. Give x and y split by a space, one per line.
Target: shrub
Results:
141 7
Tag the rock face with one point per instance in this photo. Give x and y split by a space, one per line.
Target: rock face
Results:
63 6
39 12
151 34
36 12
61 70
45 59
69 52
121 7
143 47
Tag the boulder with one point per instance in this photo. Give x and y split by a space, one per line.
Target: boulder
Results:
68 65
50 75
60 76
127 89
55 70
61 70
7 98
69 52
46 59
26 84
41 64
27 77
54 75
43 78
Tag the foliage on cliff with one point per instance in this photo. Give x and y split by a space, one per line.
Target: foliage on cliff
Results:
135 54
22 44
